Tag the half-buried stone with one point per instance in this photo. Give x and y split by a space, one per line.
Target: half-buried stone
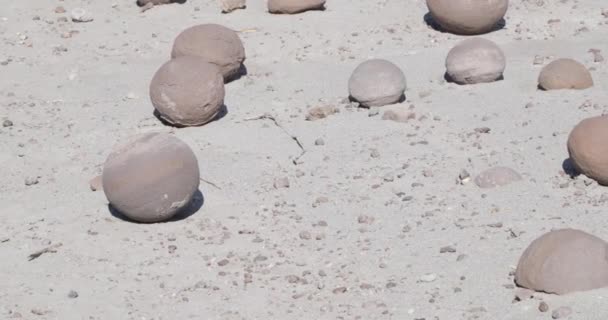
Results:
565 74
187 91
150 177
588 148
294 6
564 261
376 83
475 60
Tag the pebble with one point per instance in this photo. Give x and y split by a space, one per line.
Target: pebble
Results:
317 113
281 183
7 123
373 112
428 277
543 307
374 153
447 249
72 294
81 15
96 183
319 142
231 5
398 115
30 181
561 312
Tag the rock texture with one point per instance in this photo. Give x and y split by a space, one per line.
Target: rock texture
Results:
475 60
588 148
565 74
294 6
216 44
377 82
150 177
468 17
187 91
564 261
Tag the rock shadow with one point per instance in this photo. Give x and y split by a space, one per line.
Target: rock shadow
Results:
197 202
220 114
449 79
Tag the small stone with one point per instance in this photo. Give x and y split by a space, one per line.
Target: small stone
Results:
281 183
305 235
373 112
81 15
72 294
398 115
319 142
339 290
428 277
60 9
447 249
30 181
95 184
543 307
317 113
231 5
223 262
374 153
365 219
561 312
7 123
523 294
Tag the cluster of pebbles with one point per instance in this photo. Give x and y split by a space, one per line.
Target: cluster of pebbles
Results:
151 177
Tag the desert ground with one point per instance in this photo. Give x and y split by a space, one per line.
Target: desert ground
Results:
374 222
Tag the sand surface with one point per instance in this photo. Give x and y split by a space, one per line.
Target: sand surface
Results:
358 232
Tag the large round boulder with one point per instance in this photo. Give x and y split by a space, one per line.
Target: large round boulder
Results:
468 17
564 261
150 177
216 44
376 83
187 91
475 60
565 74
588 148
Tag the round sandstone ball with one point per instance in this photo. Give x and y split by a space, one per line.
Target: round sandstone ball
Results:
150 177
215 43
467 17
588 148
564 261
294 6
475 60
565 74
187 91
376 83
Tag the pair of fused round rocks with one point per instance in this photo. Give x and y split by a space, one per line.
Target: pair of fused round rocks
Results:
188 90
150 177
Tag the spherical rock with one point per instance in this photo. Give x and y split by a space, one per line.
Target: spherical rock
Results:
215 43
376 83
187 91
565 74
294 6
467 17
497 177
564 261
150 177
475 60
588 149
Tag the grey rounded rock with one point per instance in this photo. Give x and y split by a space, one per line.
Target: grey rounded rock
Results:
376 83
150 177
468 17
187 91
475 60
564 261
215 43
497 177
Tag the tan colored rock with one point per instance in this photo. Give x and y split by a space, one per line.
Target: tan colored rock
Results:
398 115
564 261
377 82
475 60
294 6
187 91
497 177
321 112
467 17
565 74
216 44
588 148
150 177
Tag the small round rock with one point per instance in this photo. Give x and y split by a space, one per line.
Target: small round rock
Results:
497 177
187 91
150 177
565 74
475 60
468 17
564 261
377 82
215 43
294 6
588 149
